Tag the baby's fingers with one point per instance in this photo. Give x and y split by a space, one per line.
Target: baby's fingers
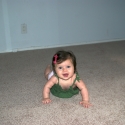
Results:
86 105
46 101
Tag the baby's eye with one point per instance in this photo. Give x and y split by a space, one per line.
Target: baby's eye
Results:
60 67
68 66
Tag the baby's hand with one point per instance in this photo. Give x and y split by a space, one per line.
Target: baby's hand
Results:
85 104
46 100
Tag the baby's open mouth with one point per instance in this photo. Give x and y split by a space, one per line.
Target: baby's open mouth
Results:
65 75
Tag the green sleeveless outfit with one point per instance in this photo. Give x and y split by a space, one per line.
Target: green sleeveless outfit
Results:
57 90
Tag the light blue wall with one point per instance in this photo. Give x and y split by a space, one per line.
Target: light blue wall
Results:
91 20
52 23
2 31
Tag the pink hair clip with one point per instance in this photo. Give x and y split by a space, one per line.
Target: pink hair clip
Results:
55 59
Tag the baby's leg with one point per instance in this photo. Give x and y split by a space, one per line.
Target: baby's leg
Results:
47 71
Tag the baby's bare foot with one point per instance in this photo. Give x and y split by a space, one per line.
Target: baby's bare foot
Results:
47 71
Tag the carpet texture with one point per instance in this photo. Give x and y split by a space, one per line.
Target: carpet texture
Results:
102 68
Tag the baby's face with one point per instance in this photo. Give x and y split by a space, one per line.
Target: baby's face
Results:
65 70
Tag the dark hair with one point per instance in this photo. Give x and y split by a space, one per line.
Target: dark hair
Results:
61 56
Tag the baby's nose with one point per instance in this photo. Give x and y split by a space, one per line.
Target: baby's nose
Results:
64 69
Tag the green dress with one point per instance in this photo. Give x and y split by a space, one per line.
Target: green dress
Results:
57 90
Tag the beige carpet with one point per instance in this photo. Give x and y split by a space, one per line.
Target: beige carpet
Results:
101 66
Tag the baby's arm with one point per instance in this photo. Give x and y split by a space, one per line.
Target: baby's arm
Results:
46 91
84 93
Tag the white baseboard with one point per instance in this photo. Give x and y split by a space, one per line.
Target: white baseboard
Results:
62 45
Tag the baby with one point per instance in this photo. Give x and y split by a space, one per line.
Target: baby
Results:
63 80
